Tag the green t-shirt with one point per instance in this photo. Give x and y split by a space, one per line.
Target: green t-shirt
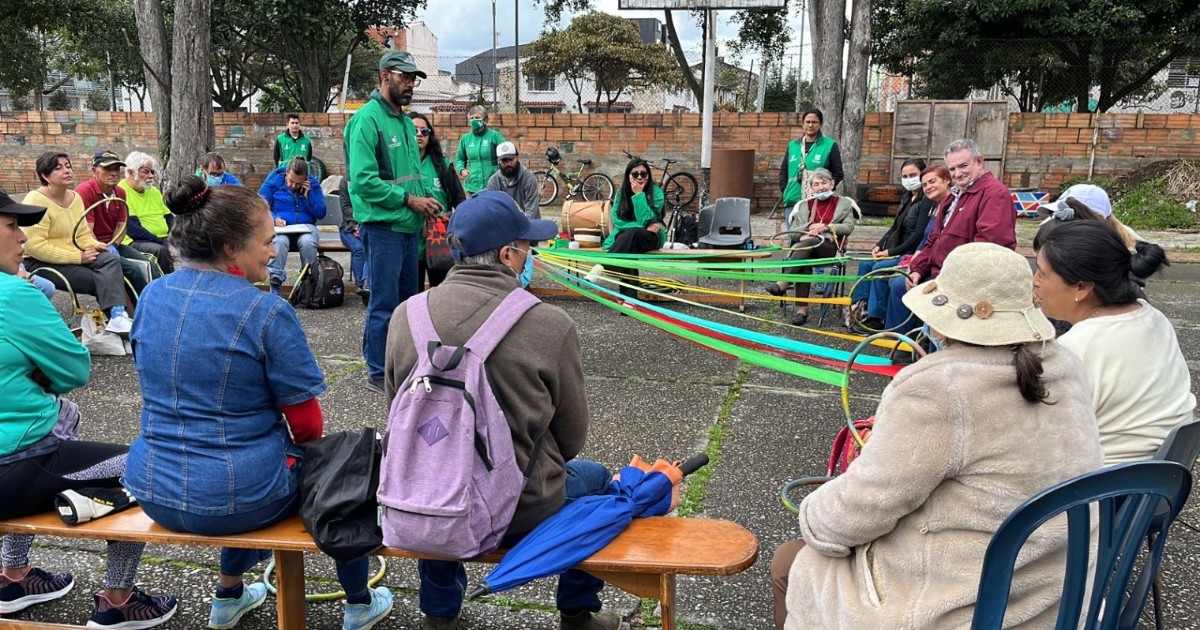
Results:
149 209
33 336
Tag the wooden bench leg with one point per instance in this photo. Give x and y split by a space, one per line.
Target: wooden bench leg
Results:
666 597
660 587
289 576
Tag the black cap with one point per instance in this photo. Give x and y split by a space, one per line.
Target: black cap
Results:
105 158
26 214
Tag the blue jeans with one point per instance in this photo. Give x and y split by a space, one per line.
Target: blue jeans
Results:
897 312
443 583
875 292
306 243
358 258
392 261
352 575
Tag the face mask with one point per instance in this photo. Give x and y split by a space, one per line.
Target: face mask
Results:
526 275
477 125
910 183
213 180
824 195
938 343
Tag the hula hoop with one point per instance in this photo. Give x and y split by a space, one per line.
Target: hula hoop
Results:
77 311
883 272
858 439
324 597
796 483
792 248
83 217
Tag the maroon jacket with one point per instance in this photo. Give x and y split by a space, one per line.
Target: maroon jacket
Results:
984 215
106 218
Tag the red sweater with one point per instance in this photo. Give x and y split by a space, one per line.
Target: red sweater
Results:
107 217
984 214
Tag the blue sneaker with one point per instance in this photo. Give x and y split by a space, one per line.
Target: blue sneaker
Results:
364 616
226 613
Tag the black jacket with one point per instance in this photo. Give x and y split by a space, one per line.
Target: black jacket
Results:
909 227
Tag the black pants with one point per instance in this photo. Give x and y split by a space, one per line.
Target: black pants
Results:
101 278
161 253
435 276
818 248
632 241
29 486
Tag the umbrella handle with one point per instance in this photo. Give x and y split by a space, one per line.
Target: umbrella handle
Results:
693 463
479 591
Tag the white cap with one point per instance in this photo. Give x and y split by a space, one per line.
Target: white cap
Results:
506 149
1089 195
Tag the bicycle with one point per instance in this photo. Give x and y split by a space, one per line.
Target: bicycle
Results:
594 187
679 188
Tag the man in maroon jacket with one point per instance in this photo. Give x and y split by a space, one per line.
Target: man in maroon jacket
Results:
981 211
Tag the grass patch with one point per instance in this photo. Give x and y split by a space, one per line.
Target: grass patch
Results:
1148 207
692 501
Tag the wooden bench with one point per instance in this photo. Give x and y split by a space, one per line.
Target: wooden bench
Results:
643 560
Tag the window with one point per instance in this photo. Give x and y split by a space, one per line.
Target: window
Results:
544 109
1184 72
534 84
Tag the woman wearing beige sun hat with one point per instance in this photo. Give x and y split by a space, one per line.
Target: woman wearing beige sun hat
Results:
961 438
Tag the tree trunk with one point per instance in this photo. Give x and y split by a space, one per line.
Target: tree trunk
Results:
156 62
854 110
826 22
191 91
681 59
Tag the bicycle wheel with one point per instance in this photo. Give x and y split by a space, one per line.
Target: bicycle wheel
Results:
597 187
680 189
547 188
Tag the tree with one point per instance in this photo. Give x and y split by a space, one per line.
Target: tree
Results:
781 92
842 101
95 49
59 101
606 50
98 100
1112 48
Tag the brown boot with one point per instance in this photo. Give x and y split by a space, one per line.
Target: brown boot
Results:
604 620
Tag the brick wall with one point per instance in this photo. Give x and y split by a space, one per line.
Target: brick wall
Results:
1043 149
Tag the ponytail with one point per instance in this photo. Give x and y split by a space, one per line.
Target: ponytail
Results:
1029 374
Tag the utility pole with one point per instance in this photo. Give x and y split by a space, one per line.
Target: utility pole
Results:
495 70
706 134
112 86
800 58
517 60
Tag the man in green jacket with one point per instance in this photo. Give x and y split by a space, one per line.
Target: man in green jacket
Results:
292 143
390 199
476 159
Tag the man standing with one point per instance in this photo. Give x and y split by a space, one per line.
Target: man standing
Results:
516 181
476 158
536 373
390 201
149 219
981 211
296 200
292 143
109 214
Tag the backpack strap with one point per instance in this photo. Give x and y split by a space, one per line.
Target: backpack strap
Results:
506 315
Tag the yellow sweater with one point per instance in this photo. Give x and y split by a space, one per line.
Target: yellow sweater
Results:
50 239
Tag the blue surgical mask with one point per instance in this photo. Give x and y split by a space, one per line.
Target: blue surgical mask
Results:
527 273
213 180
822 196
938 343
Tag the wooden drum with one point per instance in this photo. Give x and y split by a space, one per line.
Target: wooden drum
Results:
589 215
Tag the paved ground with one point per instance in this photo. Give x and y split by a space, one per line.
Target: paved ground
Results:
649 394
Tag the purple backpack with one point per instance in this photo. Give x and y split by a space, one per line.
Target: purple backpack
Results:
449 481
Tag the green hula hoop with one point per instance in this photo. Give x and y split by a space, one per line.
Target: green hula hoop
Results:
324 597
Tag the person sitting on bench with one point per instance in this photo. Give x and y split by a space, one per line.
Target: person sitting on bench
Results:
229 386
637 218
296 199
40 450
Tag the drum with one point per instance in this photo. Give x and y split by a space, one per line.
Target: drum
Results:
593 215
589 237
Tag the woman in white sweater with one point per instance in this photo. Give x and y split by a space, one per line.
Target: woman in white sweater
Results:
1139 379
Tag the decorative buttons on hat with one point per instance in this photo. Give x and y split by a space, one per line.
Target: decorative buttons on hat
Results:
940 300
964 312
930 288
983 309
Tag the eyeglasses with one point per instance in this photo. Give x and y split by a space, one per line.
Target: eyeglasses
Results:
407 75
639 175
424 131
146 170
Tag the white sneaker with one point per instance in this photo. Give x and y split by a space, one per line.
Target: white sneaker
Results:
121 324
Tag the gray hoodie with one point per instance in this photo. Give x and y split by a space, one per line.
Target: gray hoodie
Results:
523 188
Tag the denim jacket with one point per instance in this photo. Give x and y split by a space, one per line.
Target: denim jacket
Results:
216 358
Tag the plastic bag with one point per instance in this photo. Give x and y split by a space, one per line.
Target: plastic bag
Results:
96 339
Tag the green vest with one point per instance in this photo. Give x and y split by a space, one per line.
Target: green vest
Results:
818 157
290 147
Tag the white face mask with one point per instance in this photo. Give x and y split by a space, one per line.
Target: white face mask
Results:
910 183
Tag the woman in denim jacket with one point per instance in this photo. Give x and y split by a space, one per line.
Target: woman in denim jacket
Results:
228 387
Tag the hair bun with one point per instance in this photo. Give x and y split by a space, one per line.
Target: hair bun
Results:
188 196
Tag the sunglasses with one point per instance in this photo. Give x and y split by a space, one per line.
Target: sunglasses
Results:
639 175
424 131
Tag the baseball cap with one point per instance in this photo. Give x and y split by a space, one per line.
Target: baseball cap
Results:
491 220
1089 195
506 149
104 158
26 214
400 60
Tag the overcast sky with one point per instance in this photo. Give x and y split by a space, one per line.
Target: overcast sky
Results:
463 27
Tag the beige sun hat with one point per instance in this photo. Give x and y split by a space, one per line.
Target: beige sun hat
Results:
983 296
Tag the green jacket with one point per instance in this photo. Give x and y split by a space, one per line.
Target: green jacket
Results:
816 158
384 166
287 147
645 212
478 153
429 174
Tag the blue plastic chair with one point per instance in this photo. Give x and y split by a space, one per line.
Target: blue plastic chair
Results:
1182 446
1128 495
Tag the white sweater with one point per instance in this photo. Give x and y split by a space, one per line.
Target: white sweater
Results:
1139 380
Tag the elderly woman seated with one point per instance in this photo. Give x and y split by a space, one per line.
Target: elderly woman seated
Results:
817 226
1086 277
961 438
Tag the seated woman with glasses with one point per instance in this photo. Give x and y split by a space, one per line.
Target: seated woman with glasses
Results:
637 218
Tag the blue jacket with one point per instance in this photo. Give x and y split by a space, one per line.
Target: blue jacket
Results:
291 207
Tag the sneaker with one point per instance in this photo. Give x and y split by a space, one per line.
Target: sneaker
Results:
376 385
586 620
227 612
138 612
119 321
364 616
439 623
36 587
365 294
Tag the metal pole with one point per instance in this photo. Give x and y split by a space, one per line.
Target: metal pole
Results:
800 58
345 86
516 60
112 86
706 137
495 70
